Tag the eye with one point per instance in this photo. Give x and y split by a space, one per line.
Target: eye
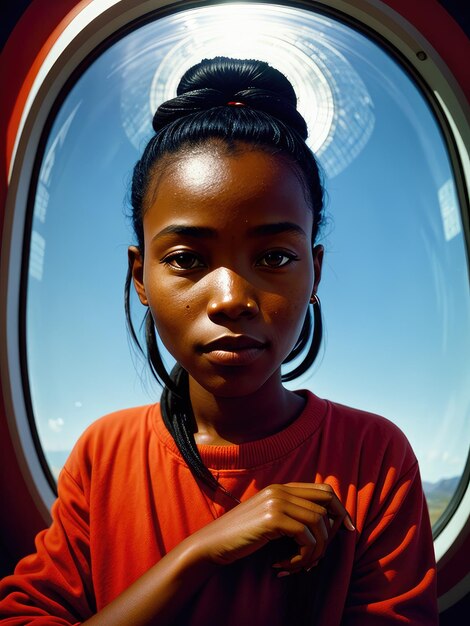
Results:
183 261
276 258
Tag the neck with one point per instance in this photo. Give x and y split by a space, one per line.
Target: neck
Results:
235 420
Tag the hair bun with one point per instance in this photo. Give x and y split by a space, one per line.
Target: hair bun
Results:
191 102
232 75
218 81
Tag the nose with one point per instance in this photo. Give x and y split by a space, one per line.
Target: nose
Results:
232 296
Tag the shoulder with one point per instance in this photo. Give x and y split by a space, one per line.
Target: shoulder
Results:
366 423
377 435
365 435
118 424
370 463
111 437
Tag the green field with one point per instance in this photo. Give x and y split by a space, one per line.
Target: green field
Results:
438 496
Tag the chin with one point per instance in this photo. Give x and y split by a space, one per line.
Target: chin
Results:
237 384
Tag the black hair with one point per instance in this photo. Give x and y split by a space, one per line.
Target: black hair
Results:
235 102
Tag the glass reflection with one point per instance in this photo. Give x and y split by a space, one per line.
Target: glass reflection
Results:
395 285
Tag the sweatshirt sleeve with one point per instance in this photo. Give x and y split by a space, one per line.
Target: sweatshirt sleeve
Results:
394 576
54 586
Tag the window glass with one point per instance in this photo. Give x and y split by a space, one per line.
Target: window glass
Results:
395 283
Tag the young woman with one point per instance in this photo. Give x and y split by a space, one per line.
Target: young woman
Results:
235 501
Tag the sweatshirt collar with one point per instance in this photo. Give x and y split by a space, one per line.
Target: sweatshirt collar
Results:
262 451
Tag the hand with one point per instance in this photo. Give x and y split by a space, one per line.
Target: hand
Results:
311 514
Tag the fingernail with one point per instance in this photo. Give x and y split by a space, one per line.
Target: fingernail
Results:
282 574
312 566
349 524
276 565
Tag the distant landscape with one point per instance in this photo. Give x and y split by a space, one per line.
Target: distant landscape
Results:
438 495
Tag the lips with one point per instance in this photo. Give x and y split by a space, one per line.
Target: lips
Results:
233 350
233 343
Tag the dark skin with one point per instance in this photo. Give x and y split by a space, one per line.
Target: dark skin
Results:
228 273
230 276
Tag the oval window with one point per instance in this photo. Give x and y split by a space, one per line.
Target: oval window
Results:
395 284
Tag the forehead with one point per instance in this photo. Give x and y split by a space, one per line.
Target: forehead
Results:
220 185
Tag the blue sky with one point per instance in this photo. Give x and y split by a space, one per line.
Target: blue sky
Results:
395 282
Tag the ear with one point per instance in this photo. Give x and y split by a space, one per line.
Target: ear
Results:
136 266
317 266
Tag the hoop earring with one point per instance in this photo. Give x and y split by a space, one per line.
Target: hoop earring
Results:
315 300
307 336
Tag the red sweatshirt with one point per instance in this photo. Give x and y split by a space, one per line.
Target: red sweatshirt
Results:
126 498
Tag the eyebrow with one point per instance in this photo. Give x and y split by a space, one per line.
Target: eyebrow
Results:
197 232
205 232
277 228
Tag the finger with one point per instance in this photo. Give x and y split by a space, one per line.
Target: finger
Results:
337 506
286 493
313 516
310 506
313 497
299 508
316 522
308 555
331 523
302 560
320 491
320 494
335 525
304 536
319 531
325 494
340 515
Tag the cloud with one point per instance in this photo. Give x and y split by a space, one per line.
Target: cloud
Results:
56 425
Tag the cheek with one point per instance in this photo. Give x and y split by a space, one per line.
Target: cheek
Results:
174 314
287 316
